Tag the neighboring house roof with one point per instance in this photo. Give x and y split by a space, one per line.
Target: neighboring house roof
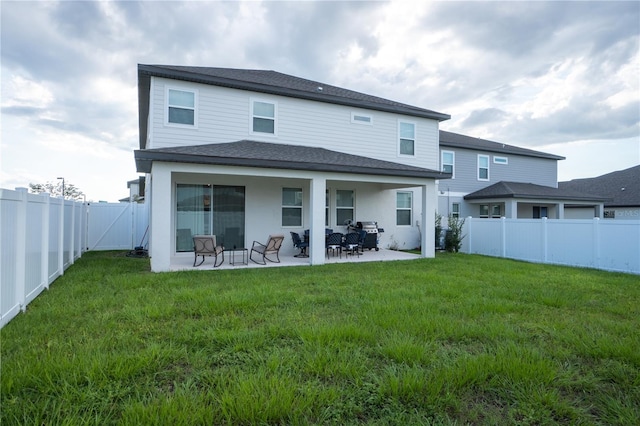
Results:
621 187
504 189
271 155
270 82
455 140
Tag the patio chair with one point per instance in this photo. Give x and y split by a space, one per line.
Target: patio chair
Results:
270 248
334 243
351 243
205 245
298 243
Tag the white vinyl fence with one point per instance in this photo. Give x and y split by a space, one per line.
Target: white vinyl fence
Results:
603 244
41 236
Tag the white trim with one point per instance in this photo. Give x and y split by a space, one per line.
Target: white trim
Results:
252 101
415 138
500 159
478 168
365 119
453 165
195 106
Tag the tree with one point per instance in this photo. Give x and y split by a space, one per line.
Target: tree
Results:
71 192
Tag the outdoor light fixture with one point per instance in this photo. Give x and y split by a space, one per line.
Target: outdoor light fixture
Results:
62 186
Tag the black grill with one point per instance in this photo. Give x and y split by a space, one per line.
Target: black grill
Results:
372 230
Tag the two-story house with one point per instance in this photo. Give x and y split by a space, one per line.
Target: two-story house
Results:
242 154
493 180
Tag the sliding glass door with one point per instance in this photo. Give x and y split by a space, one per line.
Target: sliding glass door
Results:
209 210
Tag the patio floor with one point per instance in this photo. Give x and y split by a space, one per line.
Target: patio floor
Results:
185 263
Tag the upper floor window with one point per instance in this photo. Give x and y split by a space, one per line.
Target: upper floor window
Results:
292 207
500 160
407 138
483 167
345 206
181 107
361 118
403 208
263 116
448 161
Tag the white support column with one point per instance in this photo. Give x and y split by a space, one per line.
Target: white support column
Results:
161 227
317 194
560 213
429 204
21 248
511 209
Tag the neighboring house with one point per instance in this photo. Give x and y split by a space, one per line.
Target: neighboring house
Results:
493 180
622 188
242 154
136 191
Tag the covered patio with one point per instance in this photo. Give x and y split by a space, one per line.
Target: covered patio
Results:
185 263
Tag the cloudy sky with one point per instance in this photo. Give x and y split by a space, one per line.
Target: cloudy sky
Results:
559 77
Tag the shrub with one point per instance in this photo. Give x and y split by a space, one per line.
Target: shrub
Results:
453 237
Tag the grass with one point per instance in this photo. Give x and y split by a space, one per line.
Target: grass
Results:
454 340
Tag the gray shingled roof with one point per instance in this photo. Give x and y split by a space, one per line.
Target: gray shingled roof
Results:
504 189
271 82
280 156
455 140
622 187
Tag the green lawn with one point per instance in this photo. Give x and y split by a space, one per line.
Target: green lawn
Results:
458 339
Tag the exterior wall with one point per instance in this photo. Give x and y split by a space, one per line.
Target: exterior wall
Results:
579 213
223 115
539 171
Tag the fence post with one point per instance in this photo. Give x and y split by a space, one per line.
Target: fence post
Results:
60 253
468 221
545 240
44 247
596 242
72 232
21 248
503 223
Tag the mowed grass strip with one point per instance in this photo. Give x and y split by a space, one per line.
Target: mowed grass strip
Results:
458 339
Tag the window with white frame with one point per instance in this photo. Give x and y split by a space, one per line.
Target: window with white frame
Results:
359 118
484 210
263 117
500 160
181 107
448 161
455 210
345 206
403 208
406 138
292 207
496 210
483 167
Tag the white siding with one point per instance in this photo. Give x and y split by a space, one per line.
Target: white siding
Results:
224 116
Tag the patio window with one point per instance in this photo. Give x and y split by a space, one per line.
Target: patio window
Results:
345 206
403 208
407 138
263 115
483 167
181 107
484 210
448 161
496 210
292 207
209 210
